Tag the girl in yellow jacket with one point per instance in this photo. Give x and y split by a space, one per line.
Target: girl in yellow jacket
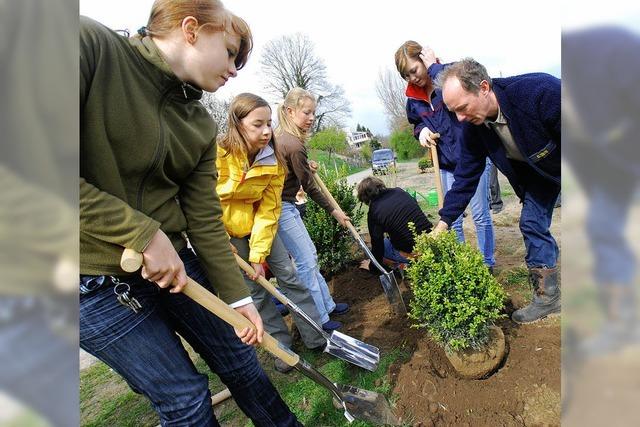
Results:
251 177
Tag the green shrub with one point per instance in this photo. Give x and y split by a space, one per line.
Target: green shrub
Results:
425 163
455 296
333 242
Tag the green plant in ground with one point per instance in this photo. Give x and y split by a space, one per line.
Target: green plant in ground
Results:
333 242
455 296
424 163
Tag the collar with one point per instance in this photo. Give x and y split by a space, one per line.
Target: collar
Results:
500 119
149 51
417 92
265 157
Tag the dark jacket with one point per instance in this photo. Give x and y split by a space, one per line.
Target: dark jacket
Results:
433 113
146 143
390 213
531 105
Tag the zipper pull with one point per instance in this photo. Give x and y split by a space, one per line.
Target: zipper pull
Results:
184 90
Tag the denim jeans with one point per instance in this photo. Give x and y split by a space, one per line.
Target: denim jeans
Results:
296 239
145 350
535 220
480 211
39 367
392 253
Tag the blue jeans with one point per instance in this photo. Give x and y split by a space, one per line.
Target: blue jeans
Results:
535 220
392 253
145 350
38 367
296 239
481 212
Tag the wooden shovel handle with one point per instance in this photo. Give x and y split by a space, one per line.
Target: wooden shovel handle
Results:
261 280
131 261
333 203
436 171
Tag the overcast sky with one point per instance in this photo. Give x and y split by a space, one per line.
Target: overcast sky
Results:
357 39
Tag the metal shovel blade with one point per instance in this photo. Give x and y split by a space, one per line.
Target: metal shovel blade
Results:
367 405
358 404
391 290
353 351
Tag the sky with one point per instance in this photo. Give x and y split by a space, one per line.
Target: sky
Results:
357 39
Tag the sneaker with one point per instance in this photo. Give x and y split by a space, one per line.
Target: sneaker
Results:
341 308
281 366
331 325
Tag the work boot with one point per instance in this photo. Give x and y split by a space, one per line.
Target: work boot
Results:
546 296
620 327
340 308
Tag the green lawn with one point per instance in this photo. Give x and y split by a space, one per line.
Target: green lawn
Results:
334 162
106 400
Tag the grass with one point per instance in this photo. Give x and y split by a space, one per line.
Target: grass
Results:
322 157
106 400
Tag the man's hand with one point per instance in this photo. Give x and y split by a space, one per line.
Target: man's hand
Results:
428 138
259 269
313 165
442 226
250 336
161 264
341 217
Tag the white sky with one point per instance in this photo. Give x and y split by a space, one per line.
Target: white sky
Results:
358 38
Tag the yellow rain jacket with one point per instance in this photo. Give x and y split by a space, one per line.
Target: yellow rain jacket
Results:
251 198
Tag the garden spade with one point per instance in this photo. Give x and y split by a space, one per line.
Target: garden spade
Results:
436 171
358 404
338 344
387 279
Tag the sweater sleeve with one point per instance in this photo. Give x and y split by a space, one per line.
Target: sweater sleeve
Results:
466 175
206 232
265 222
300 165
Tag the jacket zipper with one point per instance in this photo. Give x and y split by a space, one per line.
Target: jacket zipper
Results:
157 155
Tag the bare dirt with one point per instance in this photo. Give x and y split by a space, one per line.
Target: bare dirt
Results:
524 391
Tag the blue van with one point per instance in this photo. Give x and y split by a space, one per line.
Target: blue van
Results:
382 161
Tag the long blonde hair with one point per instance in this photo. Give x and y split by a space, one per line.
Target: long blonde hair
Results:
235 141
166 15
294 100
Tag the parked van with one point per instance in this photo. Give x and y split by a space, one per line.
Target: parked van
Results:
382 161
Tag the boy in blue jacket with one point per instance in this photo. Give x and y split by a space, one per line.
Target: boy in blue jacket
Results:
515 121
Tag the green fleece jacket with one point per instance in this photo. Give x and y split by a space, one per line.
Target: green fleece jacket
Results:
147 160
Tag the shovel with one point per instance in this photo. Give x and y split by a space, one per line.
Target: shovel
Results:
436 171
387 279
357 403
338 344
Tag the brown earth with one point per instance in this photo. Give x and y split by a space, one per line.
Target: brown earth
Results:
524 391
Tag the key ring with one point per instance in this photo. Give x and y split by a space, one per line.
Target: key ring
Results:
118 284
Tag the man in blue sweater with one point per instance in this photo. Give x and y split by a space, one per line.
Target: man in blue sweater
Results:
515 121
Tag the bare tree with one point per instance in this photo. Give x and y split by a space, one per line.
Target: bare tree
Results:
391 92
289 61
218 109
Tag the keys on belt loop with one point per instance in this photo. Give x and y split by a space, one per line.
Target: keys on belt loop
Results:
122 291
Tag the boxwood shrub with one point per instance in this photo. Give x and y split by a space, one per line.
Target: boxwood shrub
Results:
456 298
